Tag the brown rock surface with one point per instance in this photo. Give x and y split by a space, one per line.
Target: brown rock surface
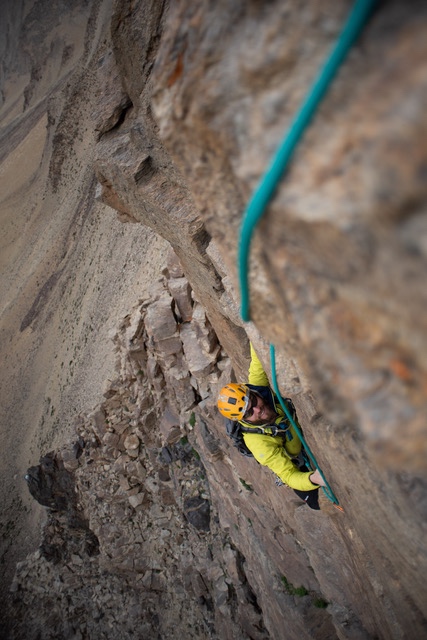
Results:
177 108
69 272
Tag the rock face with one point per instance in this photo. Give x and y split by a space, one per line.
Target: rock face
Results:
172 532
140 533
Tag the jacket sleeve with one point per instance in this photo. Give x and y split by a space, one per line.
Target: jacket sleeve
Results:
257 375
270 453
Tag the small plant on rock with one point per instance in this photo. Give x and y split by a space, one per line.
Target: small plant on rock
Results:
320 603
293 591
246 485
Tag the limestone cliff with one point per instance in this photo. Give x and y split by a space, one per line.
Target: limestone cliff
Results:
156 526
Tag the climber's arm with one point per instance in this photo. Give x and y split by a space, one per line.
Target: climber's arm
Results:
270 453
257 375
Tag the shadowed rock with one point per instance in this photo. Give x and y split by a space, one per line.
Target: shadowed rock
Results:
51 484
197 512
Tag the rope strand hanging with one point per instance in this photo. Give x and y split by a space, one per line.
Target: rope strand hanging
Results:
267 187
327 489
262 196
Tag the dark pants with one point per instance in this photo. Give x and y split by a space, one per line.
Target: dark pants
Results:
310 497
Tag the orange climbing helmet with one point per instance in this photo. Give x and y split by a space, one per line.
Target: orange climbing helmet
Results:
233 400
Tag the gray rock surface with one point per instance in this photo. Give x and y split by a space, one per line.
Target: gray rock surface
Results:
170 531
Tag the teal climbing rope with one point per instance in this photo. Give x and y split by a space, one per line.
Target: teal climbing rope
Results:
327 489
263 194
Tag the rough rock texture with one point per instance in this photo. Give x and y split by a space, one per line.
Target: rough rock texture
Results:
69 273
145 538
183 104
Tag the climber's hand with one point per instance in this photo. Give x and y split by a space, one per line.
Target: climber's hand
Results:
316 478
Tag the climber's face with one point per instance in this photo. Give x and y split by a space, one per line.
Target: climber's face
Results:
258 412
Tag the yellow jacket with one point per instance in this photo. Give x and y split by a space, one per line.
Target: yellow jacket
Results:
274 452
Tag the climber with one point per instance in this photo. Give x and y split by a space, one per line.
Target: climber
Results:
255 407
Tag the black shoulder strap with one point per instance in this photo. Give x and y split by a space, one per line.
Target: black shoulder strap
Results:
234 431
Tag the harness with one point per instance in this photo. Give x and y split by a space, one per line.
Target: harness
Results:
280 429
269 430
235 430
